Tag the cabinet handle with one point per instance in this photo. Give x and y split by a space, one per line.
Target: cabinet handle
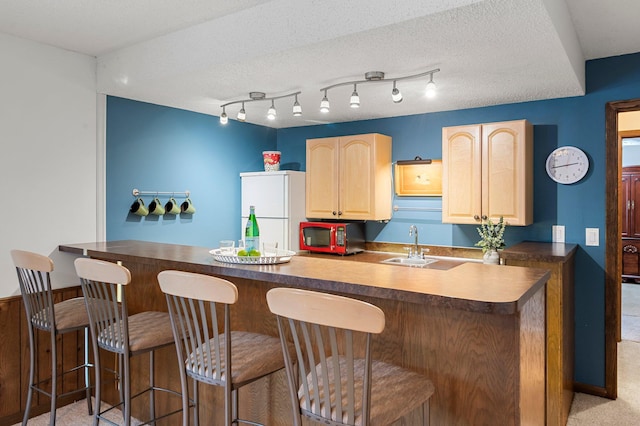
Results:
630 249
484 217
628 204
476 217
339 213
334 213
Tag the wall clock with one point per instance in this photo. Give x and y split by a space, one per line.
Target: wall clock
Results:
567 164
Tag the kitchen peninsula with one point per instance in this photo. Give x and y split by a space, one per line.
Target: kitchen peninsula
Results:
478 331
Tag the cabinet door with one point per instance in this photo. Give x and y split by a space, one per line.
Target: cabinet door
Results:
507 172
365 177
625 206
461 174
634 196
321 199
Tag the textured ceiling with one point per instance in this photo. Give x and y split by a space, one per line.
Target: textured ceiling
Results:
199 54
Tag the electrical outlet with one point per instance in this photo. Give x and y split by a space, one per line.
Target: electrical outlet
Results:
592 237
557 233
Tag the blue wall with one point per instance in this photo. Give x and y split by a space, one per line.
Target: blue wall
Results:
144 141
156 148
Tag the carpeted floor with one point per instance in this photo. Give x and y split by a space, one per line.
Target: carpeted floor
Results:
76 415
624 411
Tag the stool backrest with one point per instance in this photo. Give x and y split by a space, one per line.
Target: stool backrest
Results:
192 300
106 302
332 337
35 285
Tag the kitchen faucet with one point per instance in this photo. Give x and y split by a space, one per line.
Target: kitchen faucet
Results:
415 250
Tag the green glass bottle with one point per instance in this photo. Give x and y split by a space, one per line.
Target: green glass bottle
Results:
252 233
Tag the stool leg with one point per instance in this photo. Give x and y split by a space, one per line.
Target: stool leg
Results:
127 391
32 367
196 408
234 405
54 378
87 379
152 396
425 413
98 375
184 386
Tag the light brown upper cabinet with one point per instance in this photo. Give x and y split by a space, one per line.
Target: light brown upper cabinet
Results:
487 173
349 177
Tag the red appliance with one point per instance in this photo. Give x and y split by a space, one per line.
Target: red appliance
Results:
331 237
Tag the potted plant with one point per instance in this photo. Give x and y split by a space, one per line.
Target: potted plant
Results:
491 240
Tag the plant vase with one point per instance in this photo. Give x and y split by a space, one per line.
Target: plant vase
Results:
491 257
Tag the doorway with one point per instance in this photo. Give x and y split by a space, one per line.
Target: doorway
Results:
613 242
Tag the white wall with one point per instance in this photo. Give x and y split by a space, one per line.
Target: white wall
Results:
48 154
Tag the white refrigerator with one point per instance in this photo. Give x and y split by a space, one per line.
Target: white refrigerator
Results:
279 201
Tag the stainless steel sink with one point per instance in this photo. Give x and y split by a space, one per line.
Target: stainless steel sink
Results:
409 261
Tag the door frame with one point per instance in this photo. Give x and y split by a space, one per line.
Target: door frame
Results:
613 241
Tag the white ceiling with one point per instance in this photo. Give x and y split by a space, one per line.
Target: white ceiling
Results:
199 54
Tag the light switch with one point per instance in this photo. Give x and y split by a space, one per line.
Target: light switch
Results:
592 237
557 233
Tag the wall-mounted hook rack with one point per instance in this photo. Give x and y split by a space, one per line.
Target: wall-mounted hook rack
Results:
185 194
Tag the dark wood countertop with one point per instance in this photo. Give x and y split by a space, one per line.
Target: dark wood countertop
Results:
540 252
468 286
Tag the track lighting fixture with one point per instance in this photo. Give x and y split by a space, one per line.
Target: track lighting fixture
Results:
378 77
261 96
271 114
324 104
396 96
242 115
355 99
297 109
223 117
431 88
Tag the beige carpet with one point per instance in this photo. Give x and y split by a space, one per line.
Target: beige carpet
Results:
76 415
624 411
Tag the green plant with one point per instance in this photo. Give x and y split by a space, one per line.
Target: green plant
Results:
491 235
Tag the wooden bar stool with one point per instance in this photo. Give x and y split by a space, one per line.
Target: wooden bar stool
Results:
113 330
204 353
55 318
333 379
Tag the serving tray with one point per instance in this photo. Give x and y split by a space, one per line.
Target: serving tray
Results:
268 258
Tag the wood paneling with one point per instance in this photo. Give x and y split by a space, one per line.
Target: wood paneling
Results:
14 353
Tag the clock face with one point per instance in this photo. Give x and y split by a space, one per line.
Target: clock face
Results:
567 164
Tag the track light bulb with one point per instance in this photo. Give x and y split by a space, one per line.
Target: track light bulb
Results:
297 109
242 116
324 104
396 96
223 117
271 114
355 99
431 88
